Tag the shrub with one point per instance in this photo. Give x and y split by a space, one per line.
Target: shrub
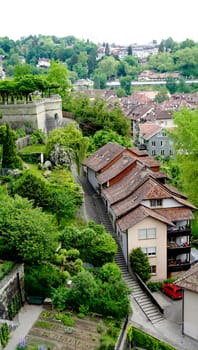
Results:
38 137
140 264
107 343
100 327
66 320
4 334
6 268
147 342
154 286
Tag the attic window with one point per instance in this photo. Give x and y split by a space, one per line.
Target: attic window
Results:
154 203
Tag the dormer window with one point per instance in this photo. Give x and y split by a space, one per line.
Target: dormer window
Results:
156 203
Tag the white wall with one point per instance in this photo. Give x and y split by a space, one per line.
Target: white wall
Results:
166 203
91 175
160 242
190 314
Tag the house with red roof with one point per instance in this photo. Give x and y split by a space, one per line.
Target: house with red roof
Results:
154 139
144 210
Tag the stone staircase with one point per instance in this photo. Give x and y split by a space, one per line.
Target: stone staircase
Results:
100 216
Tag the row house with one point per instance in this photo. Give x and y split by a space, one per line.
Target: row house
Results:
144 210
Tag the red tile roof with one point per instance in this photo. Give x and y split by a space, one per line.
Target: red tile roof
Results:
126 185
148 130
176 214
137 215
103 156
116 168
150 189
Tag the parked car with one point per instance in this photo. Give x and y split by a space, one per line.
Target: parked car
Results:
172 291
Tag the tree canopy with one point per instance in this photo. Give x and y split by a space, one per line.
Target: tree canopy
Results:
72 140
185 137
26 233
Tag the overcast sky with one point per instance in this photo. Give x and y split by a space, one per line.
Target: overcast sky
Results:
113 21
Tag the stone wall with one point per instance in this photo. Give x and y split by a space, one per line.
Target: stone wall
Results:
11 286
45 114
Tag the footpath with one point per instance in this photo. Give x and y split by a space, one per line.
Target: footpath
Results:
25 320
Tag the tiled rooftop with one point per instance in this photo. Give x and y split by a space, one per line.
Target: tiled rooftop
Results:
103 156
139 214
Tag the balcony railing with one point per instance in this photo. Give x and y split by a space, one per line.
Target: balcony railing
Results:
174 266
175 248
179 231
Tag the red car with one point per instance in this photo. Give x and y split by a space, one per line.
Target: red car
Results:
172 291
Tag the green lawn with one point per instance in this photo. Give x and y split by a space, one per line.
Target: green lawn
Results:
33 149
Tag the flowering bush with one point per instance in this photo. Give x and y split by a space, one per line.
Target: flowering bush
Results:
23 346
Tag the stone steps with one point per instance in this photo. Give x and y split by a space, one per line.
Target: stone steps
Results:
145 303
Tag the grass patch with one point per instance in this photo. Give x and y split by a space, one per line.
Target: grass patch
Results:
33 168
5 268
37 148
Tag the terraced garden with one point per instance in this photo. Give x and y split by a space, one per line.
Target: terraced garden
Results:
66 331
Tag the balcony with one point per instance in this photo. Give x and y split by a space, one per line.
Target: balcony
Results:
174 248
175 265
179 231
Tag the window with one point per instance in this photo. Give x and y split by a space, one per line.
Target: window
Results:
153 143
163 133
153 153
161 143
162 152
150 251
153 270
156 203
148 233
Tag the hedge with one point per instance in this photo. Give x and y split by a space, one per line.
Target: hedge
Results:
4 334
139 338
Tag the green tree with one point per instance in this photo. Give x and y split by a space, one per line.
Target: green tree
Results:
52 197
41 279
129 50
96 246
102 137
186 61
26 233
108 66
120 92
93 116
185 137
57 76
125 83
140 264
33 188
182 86
72 140
10 159
100 81
171 85
162 62
162 95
